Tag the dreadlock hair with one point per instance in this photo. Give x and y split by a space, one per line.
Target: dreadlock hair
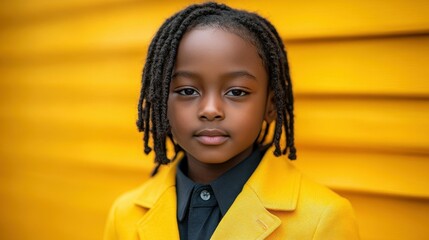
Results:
158 70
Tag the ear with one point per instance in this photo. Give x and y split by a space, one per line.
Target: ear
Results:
270 108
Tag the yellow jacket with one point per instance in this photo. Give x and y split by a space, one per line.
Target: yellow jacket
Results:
277 202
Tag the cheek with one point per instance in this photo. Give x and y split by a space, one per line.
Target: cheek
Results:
177 116
249 117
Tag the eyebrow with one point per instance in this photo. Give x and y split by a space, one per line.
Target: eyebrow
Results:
238 74
234 74
185 74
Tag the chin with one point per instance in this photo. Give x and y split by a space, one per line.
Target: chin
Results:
212 159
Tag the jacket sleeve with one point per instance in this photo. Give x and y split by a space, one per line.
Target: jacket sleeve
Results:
110 232
337 222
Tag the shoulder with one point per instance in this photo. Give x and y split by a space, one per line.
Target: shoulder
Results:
316 194
333 214
125 208
311 210
123 212
145 195
126 202
280 176
129 208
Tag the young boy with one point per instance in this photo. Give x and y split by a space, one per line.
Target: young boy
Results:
214 80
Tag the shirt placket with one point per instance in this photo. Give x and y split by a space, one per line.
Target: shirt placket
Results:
202 219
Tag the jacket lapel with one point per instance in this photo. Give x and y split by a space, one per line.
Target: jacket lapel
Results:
246 219
274 185
160 221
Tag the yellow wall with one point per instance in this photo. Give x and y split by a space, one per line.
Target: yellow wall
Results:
69 84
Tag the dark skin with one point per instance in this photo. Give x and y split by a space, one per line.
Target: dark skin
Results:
218 101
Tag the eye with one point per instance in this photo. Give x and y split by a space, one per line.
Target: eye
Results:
237 93
187 92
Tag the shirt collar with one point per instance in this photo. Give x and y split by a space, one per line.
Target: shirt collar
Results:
184 187
226 188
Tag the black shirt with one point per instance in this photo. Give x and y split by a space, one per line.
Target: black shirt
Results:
201 207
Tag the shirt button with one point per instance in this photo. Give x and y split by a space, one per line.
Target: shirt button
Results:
205 195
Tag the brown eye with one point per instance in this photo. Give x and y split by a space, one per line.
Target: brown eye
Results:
187 92
236 93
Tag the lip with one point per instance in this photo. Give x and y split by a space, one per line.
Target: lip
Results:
211 137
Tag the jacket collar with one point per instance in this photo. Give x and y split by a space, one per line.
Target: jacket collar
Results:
157 185
274 185
276 182
158 195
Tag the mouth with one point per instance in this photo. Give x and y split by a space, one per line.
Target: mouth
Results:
211 137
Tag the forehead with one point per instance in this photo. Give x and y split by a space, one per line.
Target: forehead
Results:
217 49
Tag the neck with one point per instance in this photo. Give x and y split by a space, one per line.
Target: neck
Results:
205 173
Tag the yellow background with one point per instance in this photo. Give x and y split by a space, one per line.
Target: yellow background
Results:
70 77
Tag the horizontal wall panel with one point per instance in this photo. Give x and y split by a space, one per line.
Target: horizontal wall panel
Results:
388 218
99 31
107 153
321 19
24 217
68 113
367 172
11 11
395 126
108 75
135 25
380 66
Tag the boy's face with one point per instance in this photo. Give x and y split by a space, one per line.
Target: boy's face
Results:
218 96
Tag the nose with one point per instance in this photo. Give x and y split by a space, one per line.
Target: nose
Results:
211 108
